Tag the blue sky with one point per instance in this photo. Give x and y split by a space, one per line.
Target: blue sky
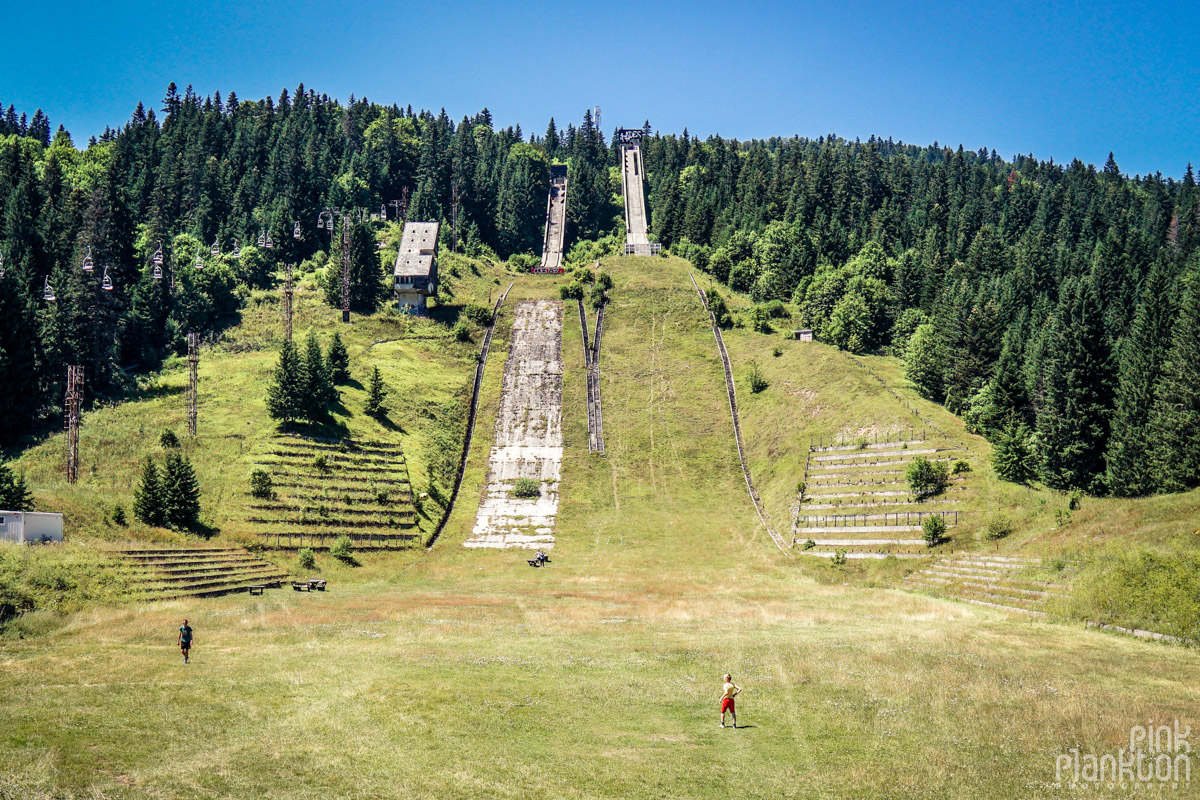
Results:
1058 79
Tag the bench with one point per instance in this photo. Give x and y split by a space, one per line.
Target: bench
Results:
537 562
316 583
301 586
258 589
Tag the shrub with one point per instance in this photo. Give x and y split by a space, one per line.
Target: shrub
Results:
720 311
342 549
960 467
757 380
934 528
571 291
462 333
776 309
809 545
759 320
604 281
261 484
306 558
480 315
321 464
926 478
168 440
998 527
1074 500
382 497
118 515
527 488
839 558
777 351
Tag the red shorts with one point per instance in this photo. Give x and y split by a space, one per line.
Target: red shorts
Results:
727 705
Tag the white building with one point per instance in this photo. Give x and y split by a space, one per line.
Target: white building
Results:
416 266
32 527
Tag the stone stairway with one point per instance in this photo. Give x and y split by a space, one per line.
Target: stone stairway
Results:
856 498
988 580
163 573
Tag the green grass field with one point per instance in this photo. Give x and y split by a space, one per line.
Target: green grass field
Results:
462 673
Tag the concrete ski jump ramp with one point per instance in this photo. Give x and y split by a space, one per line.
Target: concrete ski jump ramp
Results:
528 439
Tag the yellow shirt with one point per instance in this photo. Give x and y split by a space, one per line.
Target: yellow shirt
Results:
730 690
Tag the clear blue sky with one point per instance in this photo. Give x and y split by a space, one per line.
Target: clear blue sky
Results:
1058 79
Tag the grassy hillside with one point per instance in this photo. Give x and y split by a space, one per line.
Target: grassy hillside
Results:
469 674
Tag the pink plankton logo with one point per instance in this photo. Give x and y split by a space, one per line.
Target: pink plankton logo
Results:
1157 754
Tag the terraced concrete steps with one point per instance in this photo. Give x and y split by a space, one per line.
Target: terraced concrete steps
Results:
163 573
996 581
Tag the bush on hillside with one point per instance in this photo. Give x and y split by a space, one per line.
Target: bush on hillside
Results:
461 332
720 311
306 558
480 315
960 467
527 488
118 515
261 484
926 478
998 527
934 529
342 549
168 440
758 382
1013 457
571 291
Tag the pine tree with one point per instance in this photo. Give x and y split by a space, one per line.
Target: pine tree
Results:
1175 418
149 502
1073 421
318 392
1129 471
180 493
285 395
338 360
1013 457
14 492
376 394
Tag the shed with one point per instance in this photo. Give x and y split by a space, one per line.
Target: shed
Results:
803 335
415 276
30 527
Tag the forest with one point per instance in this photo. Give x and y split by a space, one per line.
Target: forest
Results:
1056 307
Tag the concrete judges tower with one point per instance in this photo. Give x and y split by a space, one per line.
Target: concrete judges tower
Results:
416 266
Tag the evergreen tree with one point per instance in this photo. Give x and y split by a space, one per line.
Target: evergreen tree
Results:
149 500
338 360
286 399
180 493
376 394
1013 457
14 492
318 389
1175 419
1073 421
1142 353
923 362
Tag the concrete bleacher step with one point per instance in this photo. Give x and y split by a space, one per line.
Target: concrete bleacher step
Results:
853 446
865 453
991 580
164 573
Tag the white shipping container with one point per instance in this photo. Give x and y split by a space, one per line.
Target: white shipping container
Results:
31 527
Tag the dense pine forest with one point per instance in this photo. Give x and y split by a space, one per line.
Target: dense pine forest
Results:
1057 308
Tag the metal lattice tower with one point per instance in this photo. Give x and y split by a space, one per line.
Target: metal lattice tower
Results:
193 379
345 268
404 204
454 218
74 399
288 288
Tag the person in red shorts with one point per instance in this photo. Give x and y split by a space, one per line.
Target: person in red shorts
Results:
728 692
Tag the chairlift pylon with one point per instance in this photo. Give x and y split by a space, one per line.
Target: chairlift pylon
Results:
158 256
87 261
106 282
48 291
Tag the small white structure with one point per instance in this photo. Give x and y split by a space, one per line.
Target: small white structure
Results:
416 266
30 527
803 335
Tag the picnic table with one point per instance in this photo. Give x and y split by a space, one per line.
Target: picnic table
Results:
311 585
